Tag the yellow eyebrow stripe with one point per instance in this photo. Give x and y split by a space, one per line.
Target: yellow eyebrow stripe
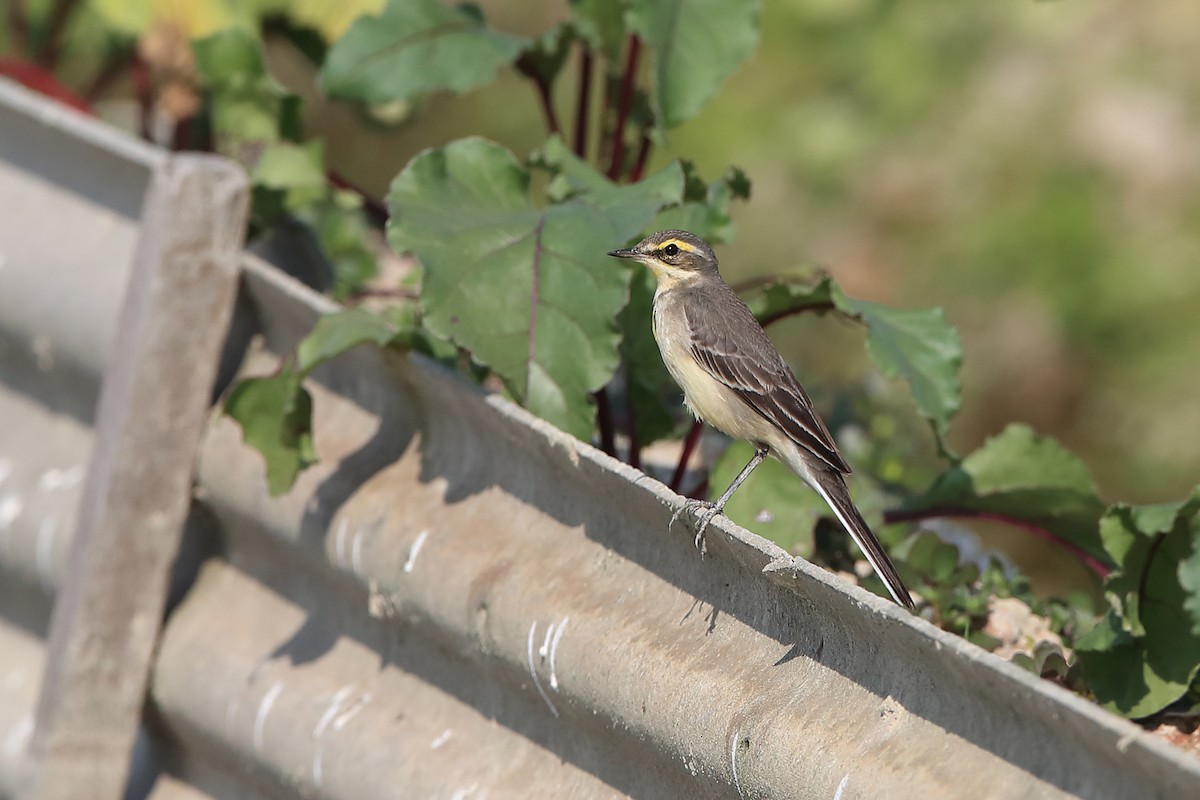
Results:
682 245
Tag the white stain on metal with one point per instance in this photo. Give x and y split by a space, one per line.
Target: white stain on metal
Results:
6 469
463 794
442 738
356 551
44 549
737 782
43 351
339 542
841 787
415 550
11 507
335 705
18 735
264 708
55 479
349 713
537 682
562 626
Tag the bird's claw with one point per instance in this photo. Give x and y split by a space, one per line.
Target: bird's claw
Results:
708 511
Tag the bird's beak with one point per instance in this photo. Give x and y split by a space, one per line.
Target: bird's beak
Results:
628 253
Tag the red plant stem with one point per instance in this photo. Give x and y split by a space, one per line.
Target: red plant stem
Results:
581 110
543 90
604 421
114 68
792 312
51 48
139 73
18 26
1094 564
624 103
639 163
635 447
689 445
375 210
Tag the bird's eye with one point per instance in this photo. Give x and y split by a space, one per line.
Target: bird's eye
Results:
671 250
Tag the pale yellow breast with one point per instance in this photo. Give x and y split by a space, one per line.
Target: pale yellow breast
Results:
706 397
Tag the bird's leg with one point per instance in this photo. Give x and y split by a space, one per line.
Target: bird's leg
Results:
711 510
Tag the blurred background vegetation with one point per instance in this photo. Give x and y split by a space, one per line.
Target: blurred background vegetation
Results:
1031 167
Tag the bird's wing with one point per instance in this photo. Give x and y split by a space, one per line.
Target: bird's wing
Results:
749 364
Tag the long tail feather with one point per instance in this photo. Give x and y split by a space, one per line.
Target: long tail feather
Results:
832 487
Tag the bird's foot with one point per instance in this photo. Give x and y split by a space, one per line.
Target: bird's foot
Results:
707 512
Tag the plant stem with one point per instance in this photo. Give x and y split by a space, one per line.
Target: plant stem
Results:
543 91
635 447
139 73
581 110
18 26
624 103
375 210
1094 564
689 445
51 47
115 67
604 421
639 163
820 308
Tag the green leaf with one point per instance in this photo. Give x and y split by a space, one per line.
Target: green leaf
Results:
528 290
705 210
276 417
1024 476
918 346
342 231
696 44
1189 568
1137 676
1150 545
336 333
544 58
296 170
248 107
416 47
647 380
601 23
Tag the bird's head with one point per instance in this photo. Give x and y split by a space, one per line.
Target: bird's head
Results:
675 257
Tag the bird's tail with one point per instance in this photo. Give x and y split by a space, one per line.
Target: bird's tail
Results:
832 488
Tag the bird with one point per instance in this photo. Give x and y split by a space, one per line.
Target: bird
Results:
734 379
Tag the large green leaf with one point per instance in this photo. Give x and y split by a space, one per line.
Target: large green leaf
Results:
696 44
527 289
1025 476
917 345
416 47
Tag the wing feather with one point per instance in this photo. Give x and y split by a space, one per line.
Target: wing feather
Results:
749 364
